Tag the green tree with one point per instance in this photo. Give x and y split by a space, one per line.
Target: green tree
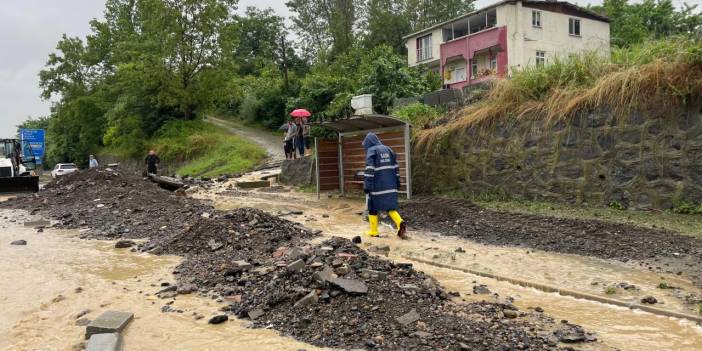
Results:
259 34
633 23
386 24
386 75
325 26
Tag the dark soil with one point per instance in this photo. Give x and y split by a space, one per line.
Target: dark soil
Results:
574 236
322 294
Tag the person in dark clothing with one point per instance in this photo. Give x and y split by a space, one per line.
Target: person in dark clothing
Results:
152 162
300 138
382 183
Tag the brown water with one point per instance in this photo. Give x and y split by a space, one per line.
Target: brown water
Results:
39 300
618 327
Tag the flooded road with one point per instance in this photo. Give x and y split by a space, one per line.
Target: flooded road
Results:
618 327
45 284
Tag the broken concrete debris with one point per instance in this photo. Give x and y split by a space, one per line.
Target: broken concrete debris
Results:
409 317
109 322
105 342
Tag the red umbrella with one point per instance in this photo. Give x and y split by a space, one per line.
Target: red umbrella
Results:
301 112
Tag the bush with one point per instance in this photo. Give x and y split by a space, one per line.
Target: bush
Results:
417 114
687 208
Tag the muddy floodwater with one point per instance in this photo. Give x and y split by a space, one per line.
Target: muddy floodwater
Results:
618 327
45 284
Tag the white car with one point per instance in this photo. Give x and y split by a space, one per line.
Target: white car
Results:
63 169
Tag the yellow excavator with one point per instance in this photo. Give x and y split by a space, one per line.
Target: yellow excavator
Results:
17 171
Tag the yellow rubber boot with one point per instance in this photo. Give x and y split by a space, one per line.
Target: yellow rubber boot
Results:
373 221
399 223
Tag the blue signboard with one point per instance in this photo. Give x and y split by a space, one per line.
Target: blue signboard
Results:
34 139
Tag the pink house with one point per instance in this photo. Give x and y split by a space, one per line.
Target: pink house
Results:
491 42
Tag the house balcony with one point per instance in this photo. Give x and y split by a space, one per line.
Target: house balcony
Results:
481 55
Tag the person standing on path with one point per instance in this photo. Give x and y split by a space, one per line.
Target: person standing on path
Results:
300 137
152 161
93 163
381 184
290 137
306 134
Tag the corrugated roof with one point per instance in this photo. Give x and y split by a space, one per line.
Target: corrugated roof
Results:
363 123
504 2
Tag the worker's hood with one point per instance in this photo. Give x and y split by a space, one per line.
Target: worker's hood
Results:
371 140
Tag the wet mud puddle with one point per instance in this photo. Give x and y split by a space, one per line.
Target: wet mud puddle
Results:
617 327
56 276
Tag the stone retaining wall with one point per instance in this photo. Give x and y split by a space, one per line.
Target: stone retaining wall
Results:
298 172
642 161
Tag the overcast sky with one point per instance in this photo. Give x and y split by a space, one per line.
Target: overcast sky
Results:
29 31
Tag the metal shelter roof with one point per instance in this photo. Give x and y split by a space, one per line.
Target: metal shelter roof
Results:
362 123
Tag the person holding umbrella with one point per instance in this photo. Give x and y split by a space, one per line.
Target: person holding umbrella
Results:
299 114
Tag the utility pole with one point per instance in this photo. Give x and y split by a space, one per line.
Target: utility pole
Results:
285 61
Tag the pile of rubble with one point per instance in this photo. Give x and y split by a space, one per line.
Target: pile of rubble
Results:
332 294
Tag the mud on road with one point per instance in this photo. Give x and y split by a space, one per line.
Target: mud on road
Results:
655 249
328 294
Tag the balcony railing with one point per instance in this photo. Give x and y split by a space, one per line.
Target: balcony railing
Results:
424 54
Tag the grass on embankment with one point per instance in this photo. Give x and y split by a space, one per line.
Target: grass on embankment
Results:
195 148
655 76
204 149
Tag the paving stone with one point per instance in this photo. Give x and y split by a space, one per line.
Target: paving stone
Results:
109 322
296 266
350 286
105 342
408 318
325 275
309 299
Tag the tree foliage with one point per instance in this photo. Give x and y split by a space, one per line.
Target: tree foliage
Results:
634 22
149 63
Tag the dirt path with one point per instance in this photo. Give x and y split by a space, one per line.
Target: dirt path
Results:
272 144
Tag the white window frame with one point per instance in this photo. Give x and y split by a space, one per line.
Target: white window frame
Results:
573 24
540 58
424 52
536 19
493 63
473 69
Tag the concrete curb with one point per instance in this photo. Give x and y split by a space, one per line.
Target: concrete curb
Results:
564 292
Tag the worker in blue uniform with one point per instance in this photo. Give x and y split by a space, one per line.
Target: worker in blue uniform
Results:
381 184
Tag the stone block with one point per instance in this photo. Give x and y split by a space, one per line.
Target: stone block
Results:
105 342
296 266
307 300
109 322
408 318
298 172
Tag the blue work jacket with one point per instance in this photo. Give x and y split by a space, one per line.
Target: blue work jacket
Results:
382 175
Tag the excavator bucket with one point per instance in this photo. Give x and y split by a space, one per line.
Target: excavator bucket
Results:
19 184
